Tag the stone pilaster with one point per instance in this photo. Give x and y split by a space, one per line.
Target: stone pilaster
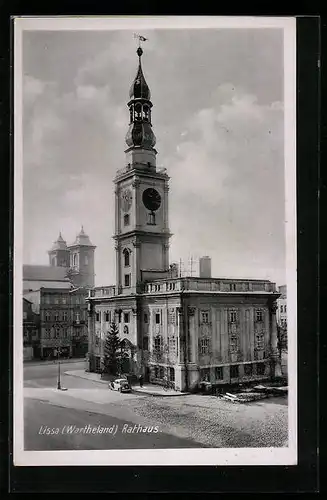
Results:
91 337
276 370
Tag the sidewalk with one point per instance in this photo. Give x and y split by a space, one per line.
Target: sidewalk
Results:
40 362
152 390
95 377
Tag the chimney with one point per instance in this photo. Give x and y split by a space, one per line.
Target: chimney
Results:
205 267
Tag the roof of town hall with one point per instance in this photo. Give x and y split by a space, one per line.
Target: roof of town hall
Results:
33 272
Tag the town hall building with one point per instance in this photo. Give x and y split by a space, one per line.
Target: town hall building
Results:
186 329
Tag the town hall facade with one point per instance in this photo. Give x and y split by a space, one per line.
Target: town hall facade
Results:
184 329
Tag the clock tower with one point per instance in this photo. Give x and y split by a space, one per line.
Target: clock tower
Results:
141 198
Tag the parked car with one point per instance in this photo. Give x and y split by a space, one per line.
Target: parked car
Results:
120 384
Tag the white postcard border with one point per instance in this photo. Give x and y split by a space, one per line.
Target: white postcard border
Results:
225 456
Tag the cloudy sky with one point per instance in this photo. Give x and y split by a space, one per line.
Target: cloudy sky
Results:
218 119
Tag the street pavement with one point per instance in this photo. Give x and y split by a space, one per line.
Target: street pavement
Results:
105 419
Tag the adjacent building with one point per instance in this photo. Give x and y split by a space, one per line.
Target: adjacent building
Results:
185 329
31 324
58 293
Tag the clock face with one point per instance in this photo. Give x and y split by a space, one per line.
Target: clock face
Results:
151 199
126 200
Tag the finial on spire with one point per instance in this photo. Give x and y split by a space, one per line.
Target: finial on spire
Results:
140 39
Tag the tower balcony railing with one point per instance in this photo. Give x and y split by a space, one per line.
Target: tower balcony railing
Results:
208 285
103 291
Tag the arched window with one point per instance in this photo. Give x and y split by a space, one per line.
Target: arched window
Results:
126 257
146 113
75 260
126 220
138 111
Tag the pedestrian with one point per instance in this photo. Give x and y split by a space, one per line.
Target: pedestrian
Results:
141 380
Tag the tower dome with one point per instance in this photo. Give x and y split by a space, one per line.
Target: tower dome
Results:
59 244
139 88
82 239
140 133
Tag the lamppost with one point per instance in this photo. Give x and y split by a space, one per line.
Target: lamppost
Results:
58 352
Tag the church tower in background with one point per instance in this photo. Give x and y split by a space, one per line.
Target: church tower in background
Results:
81 266
141 198
59 253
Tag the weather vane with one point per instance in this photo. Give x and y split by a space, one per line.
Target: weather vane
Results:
140 38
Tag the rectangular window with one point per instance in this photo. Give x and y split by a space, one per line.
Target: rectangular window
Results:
233 343
232 317
204 346
157 343
127 280
107 317
145 343
47 299
172 374
219 373
77 318
157 318
248 370
281 309
126 317
64 300
259 315
145 317
261 368
205 317
65 315
161 372
97 316
24 315
172 344
156 371
234 373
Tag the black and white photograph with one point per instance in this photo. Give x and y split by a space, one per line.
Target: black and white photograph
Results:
155 241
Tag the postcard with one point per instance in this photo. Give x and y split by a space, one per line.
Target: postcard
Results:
155 241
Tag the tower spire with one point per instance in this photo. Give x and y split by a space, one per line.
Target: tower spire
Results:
140 133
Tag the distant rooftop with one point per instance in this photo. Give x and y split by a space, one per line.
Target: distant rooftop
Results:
44 273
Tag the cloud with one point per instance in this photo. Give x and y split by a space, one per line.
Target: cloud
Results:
227 174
